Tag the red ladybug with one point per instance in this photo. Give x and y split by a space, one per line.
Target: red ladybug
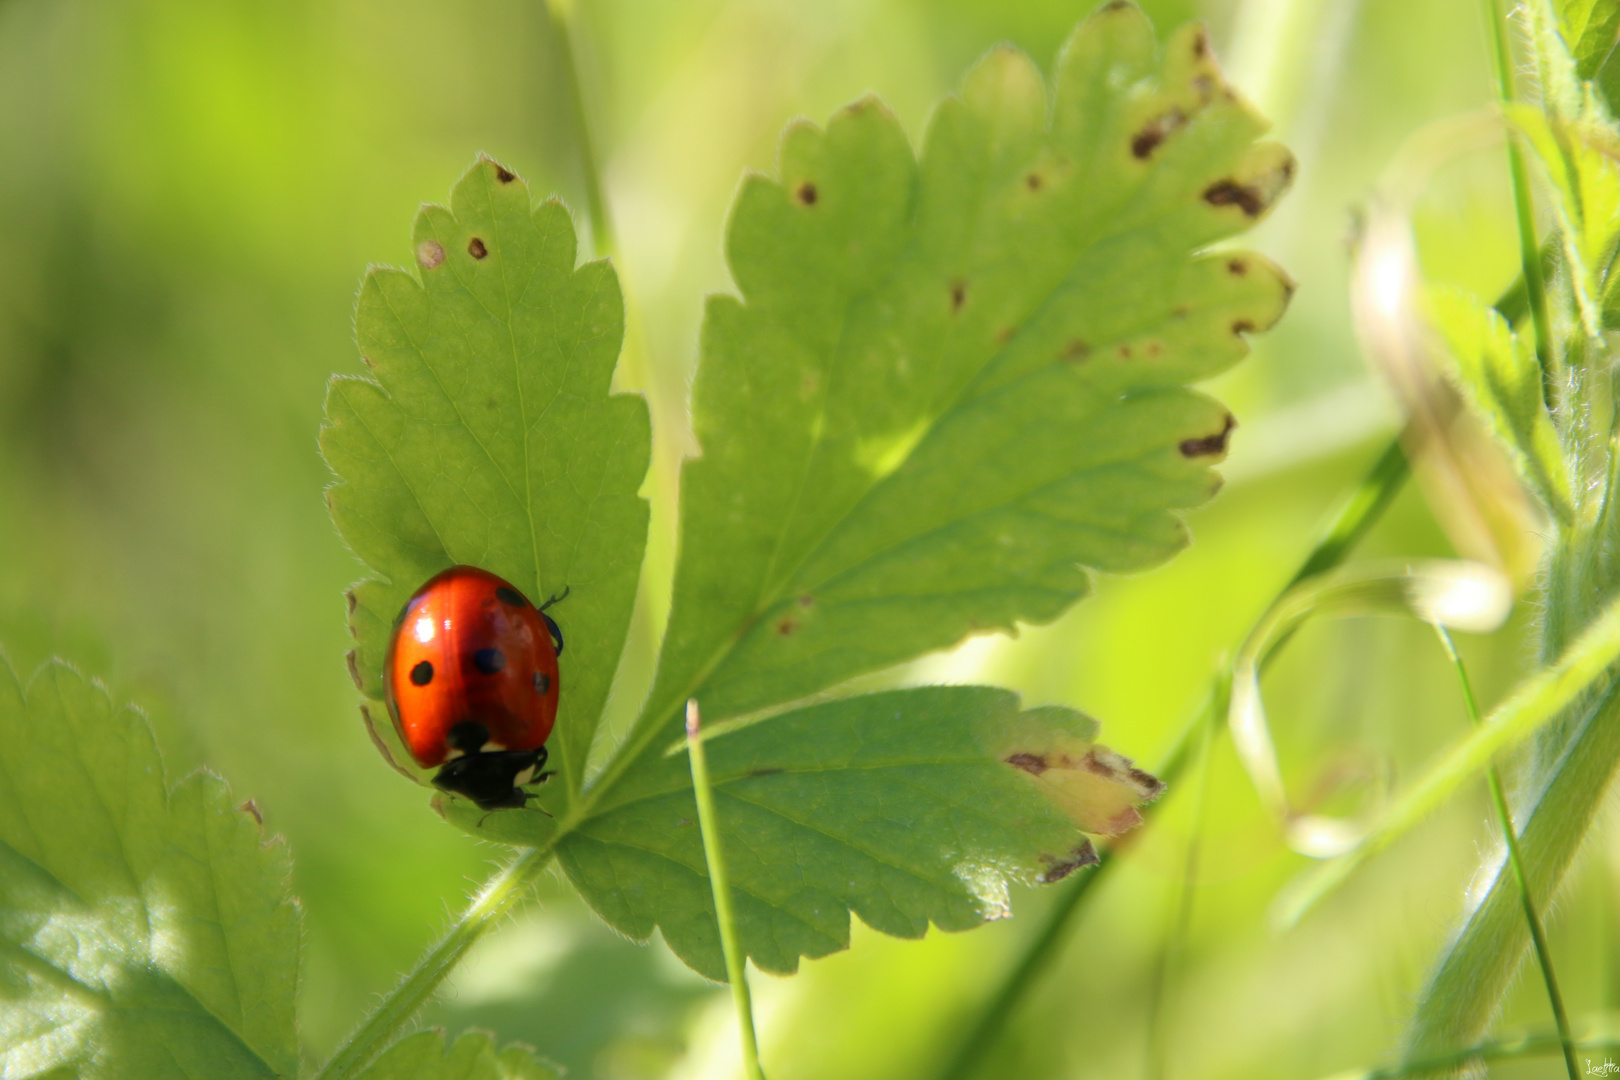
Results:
472 686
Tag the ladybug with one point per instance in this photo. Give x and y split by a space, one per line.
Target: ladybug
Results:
471 680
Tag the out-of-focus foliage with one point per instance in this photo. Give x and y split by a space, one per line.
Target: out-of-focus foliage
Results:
188 189
147 931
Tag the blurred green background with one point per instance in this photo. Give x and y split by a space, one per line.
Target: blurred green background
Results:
189 192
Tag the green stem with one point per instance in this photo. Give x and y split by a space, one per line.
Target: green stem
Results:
396 1010
1532 918
1359 513
1501 1050
709 824
595 202
1180 924
1529 250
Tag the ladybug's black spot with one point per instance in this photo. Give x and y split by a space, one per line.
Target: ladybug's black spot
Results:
422 674
508 595
489 661
542 683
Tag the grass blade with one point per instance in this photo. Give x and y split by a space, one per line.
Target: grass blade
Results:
1538 700
1531 917
715 856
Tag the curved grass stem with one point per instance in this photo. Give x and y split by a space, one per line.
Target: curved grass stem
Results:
714 855
1532 918
1349 524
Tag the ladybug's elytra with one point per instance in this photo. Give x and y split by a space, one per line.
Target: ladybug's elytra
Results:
472 684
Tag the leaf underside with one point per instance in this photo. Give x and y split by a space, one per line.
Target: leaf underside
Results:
488 436
950 384
907 807
146 932
949 387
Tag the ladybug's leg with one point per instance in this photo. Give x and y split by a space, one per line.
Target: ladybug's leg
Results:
557 597
556 631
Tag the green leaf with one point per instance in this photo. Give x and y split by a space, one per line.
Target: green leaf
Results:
489 437
1590 28
950 385
426 1056
1575 142
1498 374
908 808
146 931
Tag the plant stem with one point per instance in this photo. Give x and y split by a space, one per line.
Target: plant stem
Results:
1503 1050
595 202
396 1010
1359 513
1519 175
713 854
1180 924
1537 933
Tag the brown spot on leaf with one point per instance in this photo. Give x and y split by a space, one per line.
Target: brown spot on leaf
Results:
352 600
786 627
1034 764
807 601
1154 348
1124 352
1113 6
1237 267
1200 43
1242 326
352 657
1059 868
1097 765
1152 787
1245 197
503 175
1155 131
806 194
1180 311
1075 349
1209 444
429 254
477 249
1005 334
251 807
1033 181
958 296
765 772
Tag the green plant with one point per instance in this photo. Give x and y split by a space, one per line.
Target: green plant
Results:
951 383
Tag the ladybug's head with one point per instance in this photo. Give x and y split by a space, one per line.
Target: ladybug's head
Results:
493 779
